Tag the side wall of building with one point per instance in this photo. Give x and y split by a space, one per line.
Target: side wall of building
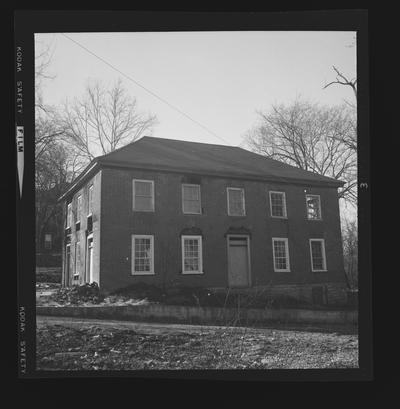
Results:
82 228
166 223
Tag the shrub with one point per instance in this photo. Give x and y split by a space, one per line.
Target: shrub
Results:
140 291
51 276
79 294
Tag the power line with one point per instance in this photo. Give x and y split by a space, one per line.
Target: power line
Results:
146 89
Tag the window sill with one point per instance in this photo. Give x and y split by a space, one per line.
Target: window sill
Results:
189 273
282 271
279 217
141 273
319 271
143 211
314 220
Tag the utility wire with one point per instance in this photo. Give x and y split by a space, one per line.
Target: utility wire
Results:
146 89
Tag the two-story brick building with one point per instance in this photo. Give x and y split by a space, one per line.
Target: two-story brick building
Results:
164 211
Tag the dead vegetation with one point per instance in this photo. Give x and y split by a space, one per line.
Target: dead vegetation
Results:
141 293
96 347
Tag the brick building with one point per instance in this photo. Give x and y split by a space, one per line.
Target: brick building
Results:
166 212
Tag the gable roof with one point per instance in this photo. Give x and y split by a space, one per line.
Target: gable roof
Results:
207 159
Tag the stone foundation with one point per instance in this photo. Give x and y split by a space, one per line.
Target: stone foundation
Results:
317 294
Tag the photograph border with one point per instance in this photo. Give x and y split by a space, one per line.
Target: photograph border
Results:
27 23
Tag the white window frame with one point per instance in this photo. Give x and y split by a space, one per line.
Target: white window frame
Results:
183 199
286 241
320 207
142 236
152 194
69 215
322 241
90 210
200 239
77 273
244 201
284 204
78 208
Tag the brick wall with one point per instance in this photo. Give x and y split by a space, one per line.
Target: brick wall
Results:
119 222
78 233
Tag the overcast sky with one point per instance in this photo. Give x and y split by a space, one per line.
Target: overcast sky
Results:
219 79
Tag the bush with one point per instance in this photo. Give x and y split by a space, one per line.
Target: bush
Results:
79 294
140 291
52 276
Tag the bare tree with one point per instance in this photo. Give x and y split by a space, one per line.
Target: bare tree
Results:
311 137
350 140
54 172
350 252
342 80
103 120
47 122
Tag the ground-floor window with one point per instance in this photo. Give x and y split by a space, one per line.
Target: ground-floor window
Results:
192 257
142 254
317 252
280 248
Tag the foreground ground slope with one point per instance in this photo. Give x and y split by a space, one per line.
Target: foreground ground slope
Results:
70 344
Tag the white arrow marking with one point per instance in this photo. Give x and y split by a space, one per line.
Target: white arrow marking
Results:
20 156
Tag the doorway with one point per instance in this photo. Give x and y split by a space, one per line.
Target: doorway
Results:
90 258
68 279
238 260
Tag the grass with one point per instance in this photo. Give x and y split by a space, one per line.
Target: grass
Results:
100 347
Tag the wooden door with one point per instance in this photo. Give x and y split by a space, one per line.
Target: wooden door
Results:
238 261
68 279
90 259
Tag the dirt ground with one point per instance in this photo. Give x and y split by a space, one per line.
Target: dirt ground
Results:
76 344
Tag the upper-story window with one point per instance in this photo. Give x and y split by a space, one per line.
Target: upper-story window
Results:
69 215
313 203
277 202
78 208
90 200
143 195
191 201
236 205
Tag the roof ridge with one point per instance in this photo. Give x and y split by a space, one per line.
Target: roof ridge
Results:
181 140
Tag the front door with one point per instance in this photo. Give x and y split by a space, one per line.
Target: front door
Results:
68 280
238 261
90 259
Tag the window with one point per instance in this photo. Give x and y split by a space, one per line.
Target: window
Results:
191 201
47 241
192 258
317 251
69 215
142 254
235 201
277 202
77 258
90 200
78 208
313 207
280 248
143 195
